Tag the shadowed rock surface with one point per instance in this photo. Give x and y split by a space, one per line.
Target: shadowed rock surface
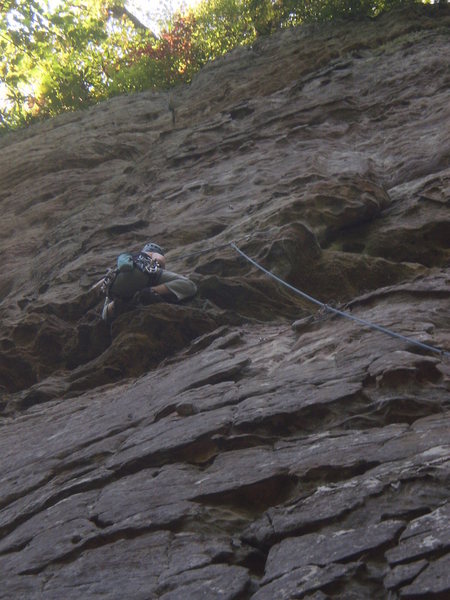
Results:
246 445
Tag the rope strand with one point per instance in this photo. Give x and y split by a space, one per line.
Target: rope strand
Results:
340 312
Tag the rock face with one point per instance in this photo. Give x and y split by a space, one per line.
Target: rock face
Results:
246 445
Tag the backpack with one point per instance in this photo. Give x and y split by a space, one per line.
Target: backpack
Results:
133 273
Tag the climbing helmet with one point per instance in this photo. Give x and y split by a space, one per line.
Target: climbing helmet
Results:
151 247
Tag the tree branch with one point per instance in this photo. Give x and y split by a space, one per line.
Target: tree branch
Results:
118 11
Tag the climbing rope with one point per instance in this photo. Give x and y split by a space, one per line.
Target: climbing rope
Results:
341 313
326 307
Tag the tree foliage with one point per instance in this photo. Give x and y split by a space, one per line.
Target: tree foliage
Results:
156 63
79 53
56 61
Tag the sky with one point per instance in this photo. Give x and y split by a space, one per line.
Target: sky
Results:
148 10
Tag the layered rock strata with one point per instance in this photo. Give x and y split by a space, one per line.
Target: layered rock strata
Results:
246 445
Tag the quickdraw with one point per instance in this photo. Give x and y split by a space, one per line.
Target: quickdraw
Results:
108 280
147 264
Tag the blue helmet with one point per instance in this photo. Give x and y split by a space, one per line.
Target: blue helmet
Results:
151 247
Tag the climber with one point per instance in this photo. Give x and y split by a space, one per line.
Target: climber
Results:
141 279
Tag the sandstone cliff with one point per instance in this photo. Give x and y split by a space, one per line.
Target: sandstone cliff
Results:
245 445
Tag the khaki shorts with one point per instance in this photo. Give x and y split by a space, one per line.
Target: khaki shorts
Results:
179 285
128 283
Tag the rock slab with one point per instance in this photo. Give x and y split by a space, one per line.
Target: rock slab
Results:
247 445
